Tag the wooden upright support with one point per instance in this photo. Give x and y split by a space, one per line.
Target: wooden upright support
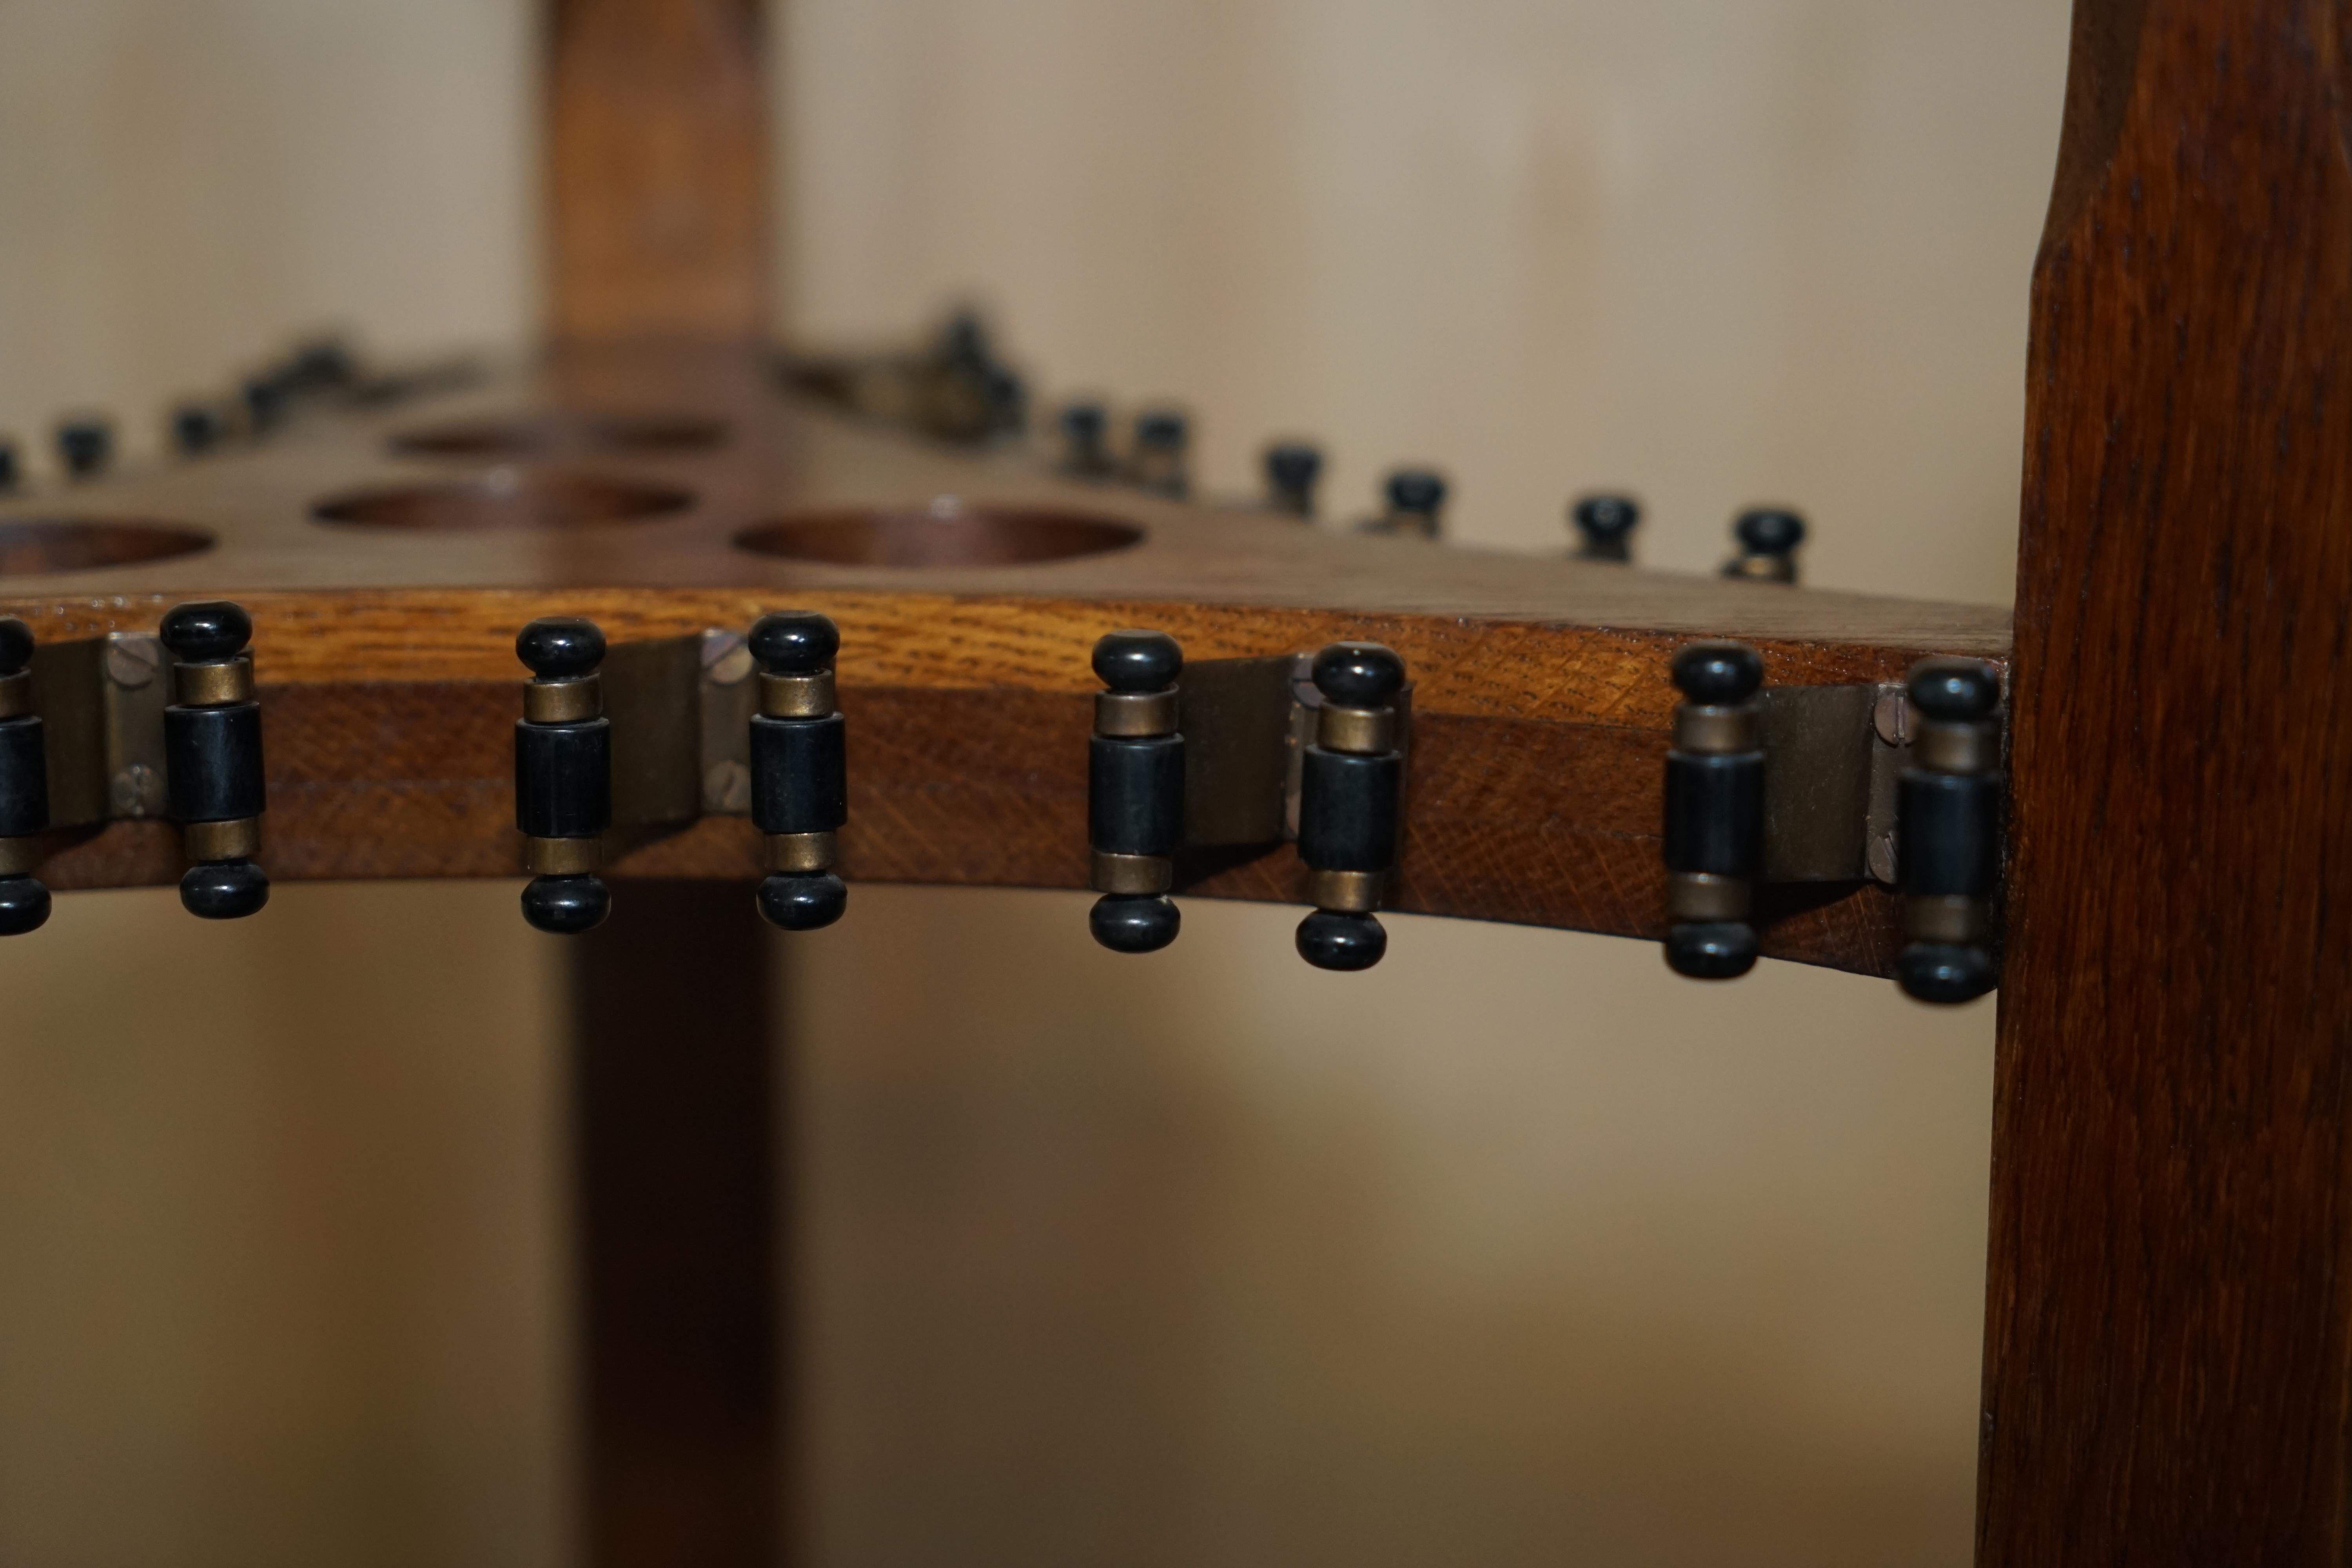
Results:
656 166
658 216
2169 1374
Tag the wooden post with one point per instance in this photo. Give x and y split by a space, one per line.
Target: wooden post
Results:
657 227
681 1326
656 169
2167 1365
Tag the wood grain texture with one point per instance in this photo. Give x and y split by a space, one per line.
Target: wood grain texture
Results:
389 683
2167 1362
656 169
675 1111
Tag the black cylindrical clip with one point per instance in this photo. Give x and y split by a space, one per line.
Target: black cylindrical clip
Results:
1135 791
1604 525
1715 811
1416 504
212 759
1350 780
24 786
1292 469
1769 537
1948 830
564 775
1160 460
800 770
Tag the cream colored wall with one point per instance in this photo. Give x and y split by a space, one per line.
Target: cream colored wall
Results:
281 1254
1713 250
1517 1249
1514 1250
186 186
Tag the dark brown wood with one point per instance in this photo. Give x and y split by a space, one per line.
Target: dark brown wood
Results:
2166 1341
682 1329
656 164
657 211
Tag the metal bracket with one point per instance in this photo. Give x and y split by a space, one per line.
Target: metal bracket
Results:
101 702
1832 756
681 714
1247 724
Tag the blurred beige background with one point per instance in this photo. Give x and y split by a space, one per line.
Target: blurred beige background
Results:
1514 1250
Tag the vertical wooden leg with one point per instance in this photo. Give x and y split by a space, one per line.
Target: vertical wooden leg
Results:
678 1249
2168 1330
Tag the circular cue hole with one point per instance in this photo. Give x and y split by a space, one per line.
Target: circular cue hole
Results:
941 534
36 545
542 435
505 499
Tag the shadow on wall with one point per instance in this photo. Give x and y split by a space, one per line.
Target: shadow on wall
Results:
1506 1250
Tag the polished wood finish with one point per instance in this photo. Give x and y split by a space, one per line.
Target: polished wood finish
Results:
658 169
674 1100
2167 1365
388 679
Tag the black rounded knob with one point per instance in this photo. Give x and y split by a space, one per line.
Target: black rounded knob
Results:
794 642
1138 661
1358 673
9 472
1084 422
265 397
195 428
1134 923
803 903
16 646
566 906
1160 427
1606 519
323 363
206 631
1330 939
1416 490
23 905
1936 972
1770 530
1711 950
1293 467
964 341
1955 691
85 445
224 889
1717 674
560 647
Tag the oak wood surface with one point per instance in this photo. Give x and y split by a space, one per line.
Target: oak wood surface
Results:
656 154
389 684
2167 1367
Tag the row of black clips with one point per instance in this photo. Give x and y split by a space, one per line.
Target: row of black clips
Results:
1324 765
798 768
1946 837
1349 779
209 756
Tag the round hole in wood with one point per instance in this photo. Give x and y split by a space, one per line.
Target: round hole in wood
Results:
554 433
506 499
944 533
32 546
